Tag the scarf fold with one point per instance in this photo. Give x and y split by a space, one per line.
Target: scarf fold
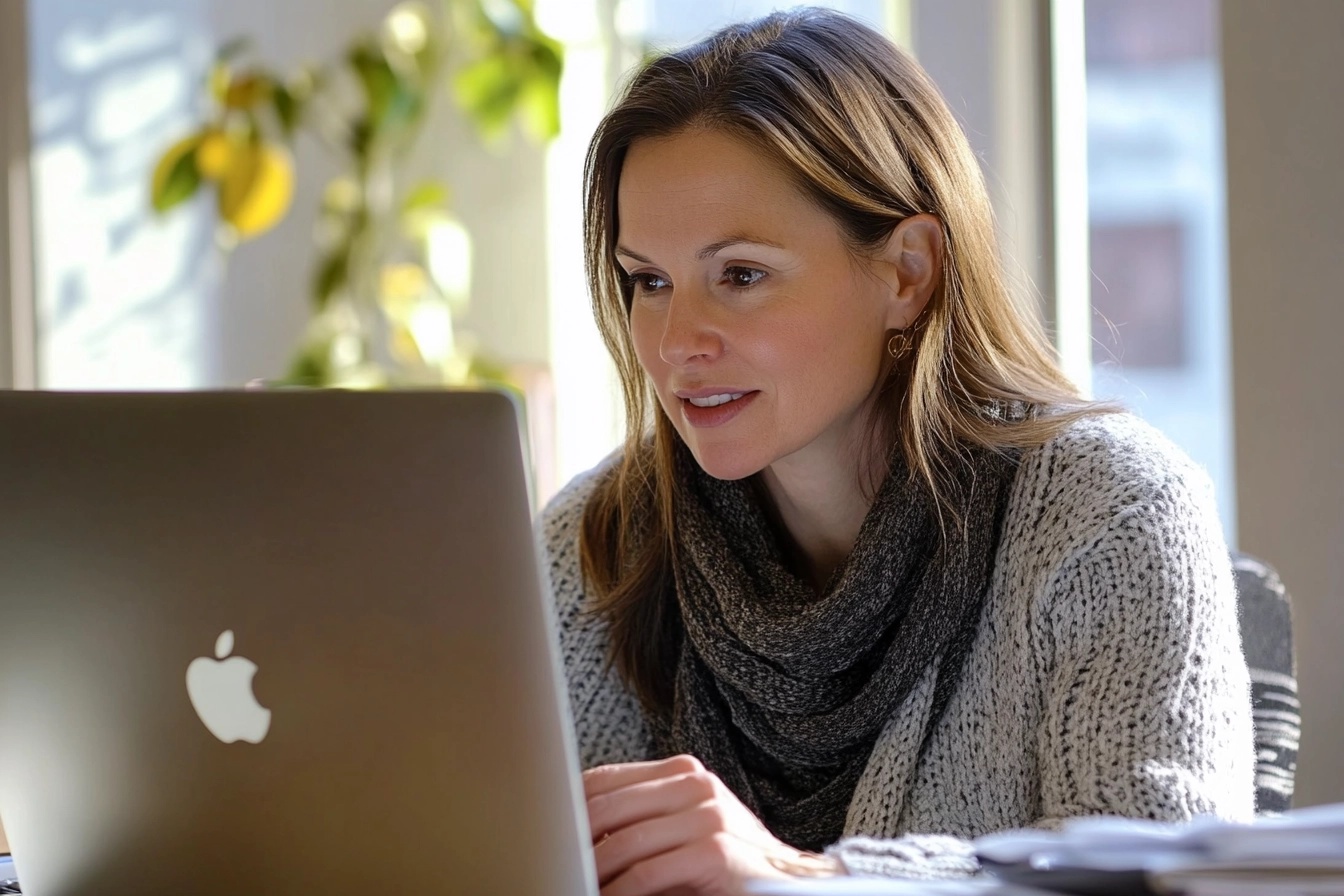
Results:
782 692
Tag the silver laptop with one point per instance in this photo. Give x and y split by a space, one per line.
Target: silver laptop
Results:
282 643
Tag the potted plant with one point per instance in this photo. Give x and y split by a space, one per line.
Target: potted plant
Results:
382 313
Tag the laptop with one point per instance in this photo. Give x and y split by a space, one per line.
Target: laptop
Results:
290 642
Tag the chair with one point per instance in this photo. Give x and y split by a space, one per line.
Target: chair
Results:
1265 614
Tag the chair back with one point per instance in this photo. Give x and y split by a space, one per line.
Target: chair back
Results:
1266 618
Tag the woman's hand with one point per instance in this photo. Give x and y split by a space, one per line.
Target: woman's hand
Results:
672 827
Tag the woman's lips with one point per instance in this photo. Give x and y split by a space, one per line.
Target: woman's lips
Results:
706 418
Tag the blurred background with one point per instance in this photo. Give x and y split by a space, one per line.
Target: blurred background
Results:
1164 174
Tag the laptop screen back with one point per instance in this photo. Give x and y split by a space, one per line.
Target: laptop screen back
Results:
290 642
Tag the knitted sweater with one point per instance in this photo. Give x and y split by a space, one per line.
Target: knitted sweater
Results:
1107 675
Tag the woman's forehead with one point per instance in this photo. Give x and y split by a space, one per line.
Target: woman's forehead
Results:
684 159
702 177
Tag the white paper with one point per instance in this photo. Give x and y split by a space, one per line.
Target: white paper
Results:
1301 851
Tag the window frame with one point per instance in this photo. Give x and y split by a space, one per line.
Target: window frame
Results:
18 344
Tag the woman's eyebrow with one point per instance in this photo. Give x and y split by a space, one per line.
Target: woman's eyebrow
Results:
712 249
621 250
719 245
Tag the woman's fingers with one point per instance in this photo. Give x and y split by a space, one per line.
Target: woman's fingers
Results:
672 828
710 866
606 778
685 867
612 810
647 839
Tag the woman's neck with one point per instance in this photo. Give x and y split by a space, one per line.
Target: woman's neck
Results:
820 510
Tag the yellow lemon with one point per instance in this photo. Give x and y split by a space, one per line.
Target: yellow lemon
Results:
214 154
257 188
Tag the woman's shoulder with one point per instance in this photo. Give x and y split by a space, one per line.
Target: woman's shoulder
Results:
561 523
1118 441
1110 460
608 721
562 514
1104 477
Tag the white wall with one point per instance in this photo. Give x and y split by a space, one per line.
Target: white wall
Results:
118 303
1285 202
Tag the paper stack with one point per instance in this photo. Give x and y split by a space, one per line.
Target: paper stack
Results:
1298 852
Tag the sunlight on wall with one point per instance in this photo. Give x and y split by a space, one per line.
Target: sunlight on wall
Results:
589 420
118 306
1073 320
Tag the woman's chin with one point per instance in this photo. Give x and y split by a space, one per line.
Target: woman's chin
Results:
724 463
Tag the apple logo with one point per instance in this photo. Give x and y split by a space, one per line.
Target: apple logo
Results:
221 693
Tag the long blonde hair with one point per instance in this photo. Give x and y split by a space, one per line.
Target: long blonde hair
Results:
863 132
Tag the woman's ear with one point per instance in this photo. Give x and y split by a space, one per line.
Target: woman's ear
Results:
910 262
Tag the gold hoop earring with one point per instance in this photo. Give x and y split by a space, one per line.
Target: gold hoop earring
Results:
900 344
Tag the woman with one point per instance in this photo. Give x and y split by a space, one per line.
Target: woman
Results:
869 578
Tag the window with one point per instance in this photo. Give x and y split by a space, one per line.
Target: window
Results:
1156 215
667 23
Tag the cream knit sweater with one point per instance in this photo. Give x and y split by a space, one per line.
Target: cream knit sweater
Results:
1106 676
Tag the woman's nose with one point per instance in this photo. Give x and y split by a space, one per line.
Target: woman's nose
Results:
689 334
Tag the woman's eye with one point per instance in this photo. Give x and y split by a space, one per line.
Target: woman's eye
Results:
643 283
741 278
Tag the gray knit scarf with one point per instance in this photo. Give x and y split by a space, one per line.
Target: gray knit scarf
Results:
782 692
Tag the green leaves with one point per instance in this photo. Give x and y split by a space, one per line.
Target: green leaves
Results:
332 273
539 98
488 90
431 194
368 104
287 109
176 176
516 71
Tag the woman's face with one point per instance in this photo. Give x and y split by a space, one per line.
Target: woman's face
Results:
762 334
